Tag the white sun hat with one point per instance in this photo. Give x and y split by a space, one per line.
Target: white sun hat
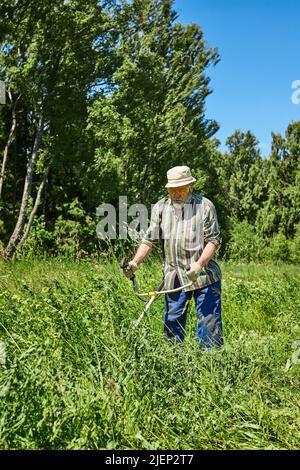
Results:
179 176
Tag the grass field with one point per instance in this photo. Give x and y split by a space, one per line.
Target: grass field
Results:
74 375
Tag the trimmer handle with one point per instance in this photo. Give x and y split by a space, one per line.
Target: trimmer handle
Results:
124 265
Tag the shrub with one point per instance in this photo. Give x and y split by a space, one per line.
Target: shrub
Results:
244 243
75 232
294 246
278 249
39 239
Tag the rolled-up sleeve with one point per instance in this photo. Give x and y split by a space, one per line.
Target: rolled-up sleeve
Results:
211 225
152 235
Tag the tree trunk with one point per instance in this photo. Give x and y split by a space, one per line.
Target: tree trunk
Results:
10 140
11 246
34 209
146 173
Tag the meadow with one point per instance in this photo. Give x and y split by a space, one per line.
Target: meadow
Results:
75 375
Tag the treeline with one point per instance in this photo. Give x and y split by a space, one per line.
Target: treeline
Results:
102 98
261 197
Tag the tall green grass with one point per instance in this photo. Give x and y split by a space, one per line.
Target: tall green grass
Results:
77 376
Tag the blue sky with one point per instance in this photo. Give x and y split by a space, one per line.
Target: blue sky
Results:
259 44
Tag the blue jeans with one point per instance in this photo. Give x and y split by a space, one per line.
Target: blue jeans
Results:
208 309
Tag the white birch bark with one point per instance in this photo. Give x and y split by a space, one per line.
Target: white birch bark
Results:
11 138
34 209
11 246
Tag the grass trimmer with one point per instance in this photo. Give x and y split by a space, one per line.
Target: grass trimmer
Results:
152 295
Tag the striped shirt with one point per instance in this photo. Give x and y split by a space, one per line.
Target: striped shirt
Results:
183 236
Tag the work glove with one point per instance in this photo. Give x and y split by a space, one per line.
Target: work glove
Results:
129 269
193 271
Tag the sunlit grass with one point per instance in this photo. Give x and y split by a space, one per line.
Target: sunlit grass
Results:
77 376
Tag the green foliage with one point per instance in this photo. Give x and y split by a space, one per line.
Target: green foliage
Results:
50 62
73 234
278 248
263 196
153 116
243 175
76 233
281 210
122 89
244 244
39 241
294 246
77 376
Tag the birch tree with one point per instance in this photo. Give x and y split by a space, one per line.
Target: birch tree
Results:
50 57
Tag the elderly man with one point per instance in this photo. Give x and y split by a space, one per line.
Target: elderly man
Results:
186 224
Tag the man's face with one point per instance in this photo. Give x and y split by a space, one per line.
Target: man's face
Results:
180 194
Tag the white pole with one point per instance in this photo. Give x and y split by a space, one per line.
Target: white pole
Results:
2 92
2 354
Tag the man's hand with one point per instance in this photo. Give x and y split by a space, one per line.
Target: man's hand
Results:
129 269
194 271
